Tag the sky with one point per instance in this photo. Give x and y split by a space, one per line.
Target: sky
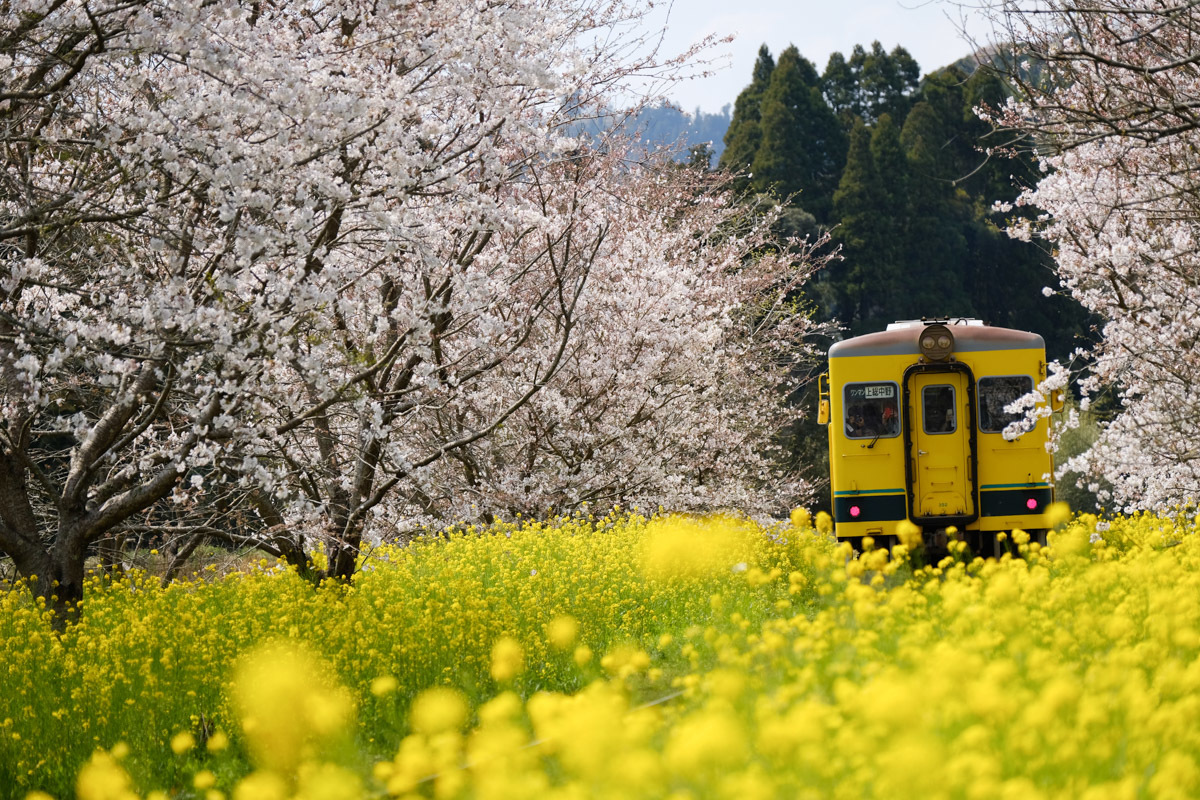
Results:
931 30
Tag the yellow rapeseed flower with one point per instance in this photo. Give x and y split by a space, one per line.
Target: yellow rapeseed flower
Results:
384 685
562 631
285 701
582 655
909 535
709 740
261 785
1057 514
679 548
801 518
102 778
1070 672
508 659
438 710
324 781
182 742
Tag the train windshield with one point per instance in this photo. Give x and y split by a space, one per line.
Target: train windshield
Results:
994 395
872 410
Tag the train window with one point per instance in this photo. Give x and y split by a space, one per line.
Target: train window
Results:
937 409
872 410
996 393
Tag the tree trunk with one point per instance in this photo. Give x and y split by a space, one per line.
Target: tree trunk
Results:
67 561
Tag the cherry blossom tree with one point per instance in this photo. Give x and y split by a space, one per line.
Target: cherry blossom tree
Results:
1109 95
269 273
670 394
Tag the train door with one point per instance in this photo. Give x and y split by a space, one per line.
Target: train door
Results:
942 473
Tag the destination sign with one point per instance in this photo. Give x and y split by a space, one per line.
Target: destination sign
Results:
875 391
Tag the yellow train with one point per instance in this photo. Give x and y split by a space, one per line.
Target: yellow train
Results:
915 416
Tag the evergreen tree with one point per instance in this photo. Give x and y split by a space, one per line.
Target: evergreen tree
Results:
935 240
957 135
744 134
890 163
1000 175
871 207
857 205
840 86
871 83
891 166
888 80
803 145
700 156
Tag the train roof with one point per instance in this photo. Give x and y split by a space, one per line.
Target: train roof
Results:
970 335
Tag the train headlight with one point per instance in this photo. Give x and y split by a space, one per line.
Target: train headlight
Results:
936 342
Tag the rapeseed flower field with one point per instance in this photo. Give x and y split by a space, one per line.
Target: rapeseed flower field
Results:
667 657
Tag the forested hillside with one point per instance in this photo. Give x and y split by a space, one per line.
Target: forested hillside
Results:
905 173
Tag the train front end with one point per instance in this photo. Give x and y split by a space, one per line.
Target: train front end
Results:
916 417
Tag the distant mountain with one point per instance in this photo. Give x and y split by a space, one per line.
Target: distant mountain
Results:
668 126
